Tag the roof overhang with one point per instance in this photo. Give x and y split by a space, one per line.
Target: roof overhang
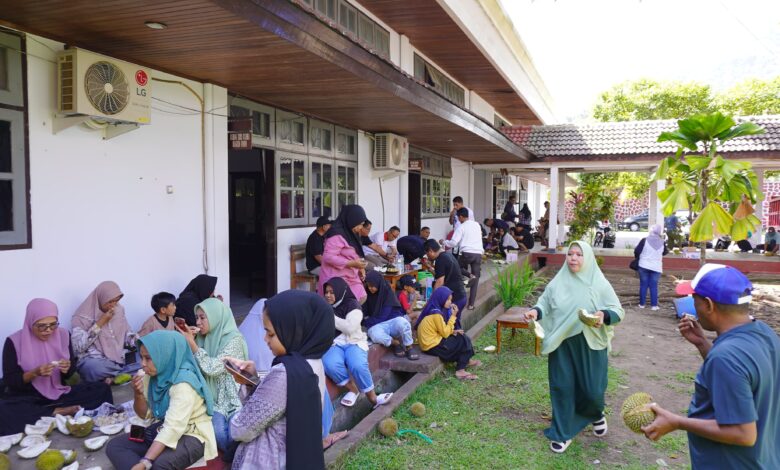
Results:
273 52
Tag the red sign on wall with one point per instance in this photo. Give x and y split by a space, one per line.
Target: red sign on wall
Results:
240 133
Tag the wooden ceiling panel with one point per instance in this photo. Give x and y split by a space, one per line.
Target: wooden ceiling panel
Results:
272 52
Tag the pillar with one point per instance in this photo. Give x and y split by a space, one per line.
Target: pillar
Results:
758 234
561 207
654 213
554 195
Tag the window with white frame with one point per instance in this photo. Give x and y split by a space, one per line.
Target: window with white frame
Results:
14 193
346 144
346 184
262 119
321 188
435 195
433 77
360 26
291 204
320 138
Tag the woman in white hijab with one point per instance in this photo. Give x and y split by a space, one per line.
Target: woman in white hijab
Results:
258 350
650 253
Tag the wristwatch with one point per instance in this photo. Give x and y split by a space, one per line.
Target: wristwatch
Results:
146 463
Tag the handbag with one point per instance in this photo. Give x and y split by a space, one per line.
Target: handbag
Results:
151 431
634 264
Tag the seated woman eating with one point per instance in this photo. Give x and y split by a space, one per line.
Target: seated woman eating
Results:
36 361
349 353
280 423
437 335
217 340
175 394
101 333
384 317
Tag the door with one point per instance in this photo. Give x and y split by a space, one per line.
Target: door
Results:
415 203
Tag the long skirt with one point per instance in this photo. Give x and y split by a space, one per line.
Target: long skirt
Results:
578 380
454 348
27 409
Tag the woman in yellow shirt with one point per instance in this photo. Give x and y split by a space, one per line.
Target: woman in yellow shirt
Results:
437 335
174 392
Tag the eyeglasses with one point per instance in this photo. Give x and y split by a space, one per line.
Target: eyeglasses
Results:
46 326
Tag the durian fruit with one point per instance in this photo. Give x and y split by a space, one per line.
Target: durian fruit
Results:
81 426
5 445
122 379
50 460
95 443
32 440
62 424
538 330
33 451
388 427
112 429
587 318
70 456
636 411
14 438
39 429
5 463
417 409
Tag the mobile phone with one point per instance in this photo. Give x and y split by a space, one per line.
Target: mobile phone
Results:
241 374
137 433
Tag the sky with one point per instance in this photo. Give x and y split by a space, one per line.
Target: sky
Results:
583 47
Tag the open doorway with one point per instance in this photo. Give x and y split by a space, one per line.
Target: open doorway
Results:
414 203
252 227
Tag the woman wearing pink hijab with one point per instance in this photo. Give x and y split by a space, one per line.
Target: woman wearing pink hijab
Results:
101 334
36 361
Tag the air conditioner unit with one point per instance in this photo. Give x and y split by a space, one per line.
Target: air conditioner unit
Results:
97 86
391 152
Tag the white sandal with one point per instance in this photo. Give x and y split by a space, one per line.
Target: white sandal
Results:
382 399
600 427
559 447
349 399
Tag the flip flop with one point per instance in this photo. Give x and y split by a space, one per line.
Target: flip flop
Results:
476 363
600 427
382 399
559 447
349 399
411 355
467 376
331 439
470 307
398 350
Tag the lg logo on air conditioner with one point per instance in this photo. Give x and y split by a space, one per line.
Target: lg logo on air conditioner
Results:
141 78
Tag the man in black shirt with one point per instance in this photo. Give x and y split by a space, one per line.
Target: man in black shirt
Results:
315 245
447 274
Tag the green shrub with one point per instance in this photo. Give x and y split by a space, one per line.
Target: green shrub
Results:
516 283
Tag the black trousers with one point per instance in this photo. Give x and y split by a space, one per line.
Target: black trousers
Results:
454 348
124 453
471 262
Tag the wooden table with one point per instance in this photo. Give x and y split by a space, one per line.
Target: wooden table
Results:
514 318
393 278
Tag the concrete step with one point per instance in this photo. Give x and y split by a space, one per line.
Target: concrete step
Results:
426 364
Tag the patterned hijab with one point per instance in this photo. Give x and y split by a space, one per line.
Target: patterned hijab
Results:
111 339
31 352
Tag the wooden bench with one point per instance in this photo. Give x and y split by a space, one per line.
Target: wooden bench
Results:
298 252
515 318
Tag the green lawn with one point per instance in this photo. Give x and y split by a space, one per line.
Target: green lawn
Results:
495 422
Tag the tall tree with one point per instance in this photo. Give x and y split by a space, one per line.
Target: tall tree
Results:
751 97
648 99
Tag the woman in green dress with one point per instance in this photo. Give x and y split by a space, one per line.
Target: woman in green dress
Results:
577 362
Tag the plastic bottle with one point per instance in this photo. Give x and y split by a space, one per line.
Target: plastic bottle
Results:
428 287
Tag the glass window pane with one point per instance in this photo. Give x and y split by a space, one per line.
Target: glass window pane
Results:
300 203
314 137
285 204
235 111
325 139
3 68
297 132
6 206
300 179
366 29
351 198
382 39
351 179
351 145
342 200
284 130
285 173
327 176
316 175
342 179
316 203
5 147
327 204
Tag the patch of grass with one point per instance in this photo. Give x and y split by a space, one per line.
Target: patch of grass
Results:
685 377
493 422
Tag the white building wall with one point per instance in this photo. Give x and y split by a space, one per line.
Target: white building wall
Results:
100 210
481 107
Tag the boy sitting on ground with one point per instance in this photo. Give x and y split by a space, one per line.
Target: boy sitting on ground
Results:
164 307
408 296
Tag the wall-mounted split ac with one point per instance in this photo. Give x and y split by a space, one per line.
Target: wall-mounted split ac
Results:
391 152
92 88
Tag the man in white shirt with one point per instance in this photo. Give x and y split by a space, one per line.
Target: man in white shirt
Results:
468 240
385 243
457 203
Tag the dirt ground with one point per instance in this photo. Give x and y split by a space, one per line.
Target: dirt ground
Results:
652 357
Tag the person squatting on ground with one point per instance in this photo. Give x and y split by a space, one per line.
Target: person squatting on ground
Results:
734 417
577 364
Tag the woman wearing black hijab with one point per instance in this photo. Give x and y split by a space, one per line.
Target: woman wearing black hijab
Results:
343 255
280 424
385 318
199 289
524 218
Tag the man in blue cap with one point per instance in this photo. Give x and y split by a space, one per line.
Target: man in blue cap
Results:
734 417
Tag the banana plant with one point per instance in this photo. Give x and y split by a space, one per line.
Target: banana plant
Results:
719 190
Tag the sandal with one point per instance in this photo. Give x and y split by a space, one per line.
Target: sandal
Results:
331 439
382 399
399 351
559 447
349 399
474 363
470 307
600 427
411 355
466 376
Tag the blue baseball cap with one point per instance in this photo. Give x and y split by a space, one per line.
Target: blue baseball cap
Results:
723 284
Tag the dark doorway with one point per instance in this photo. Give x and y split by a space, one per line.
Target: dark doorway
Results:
252 227
415 203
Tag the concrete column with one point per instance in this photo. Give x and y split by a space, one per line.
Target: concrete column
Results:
554 195
758 235
562 207
654 213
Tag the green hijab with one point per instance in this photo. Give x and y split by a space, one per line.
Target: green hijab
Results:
222 330
175 364
569 292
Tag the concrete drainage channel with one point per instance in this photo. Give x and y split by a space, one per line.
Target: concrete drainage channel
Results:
361 419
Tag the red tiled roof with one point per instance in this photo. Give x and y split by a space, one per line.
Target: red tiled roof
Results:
627 138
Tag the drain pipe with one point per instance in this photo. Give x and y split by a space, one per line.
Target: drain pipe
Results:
205 260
